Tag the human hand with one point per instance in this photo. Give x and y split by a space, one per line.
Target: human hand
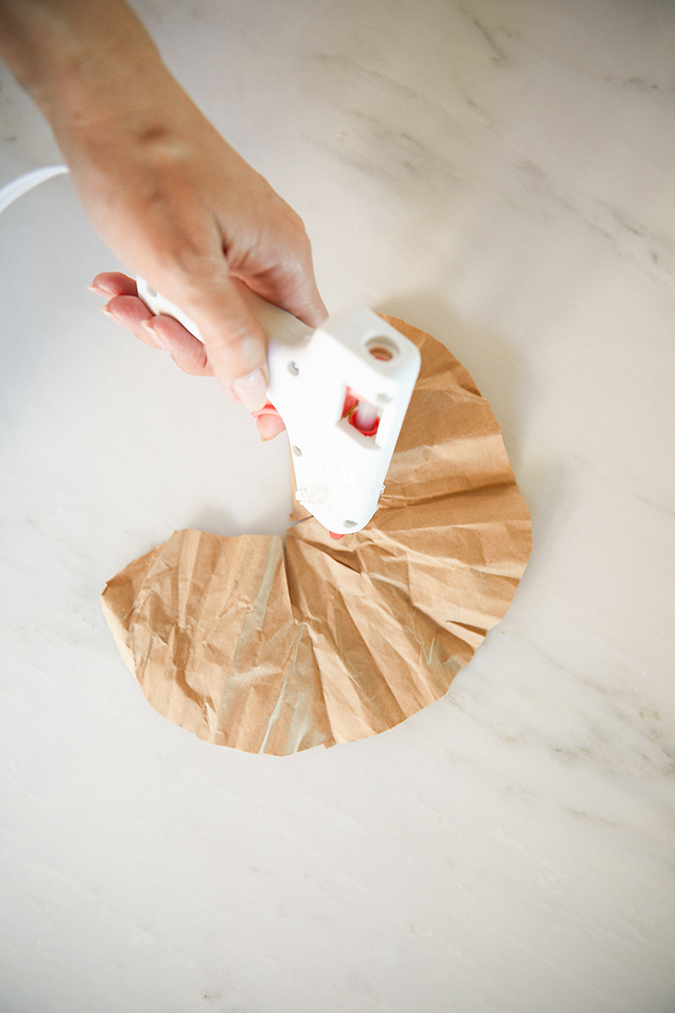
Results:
190 215
165 191
130 312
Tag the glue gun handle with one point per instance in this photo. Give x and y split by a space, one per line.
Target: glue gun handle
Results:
277 324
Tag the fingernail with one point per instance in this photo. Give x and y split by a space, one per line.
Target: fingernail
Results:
108 290
106 311
147 325
251 390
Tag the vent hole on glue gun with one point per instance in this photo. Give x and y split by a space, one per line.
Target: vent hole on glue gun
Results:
381 348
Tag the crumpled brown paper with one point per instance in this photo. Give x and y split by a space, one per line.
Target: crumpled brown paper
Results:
340 639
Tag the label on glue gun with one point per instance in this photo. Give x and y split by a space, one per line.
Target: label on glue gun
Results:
342 391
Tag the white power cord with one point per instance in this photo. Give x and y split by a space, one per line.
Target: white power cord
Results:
22 184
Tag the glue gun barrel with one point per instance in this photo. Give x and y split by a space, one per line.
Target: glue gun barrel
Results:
365 416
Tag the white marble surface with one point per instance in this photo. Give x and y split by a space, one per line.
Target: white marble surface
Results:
502 175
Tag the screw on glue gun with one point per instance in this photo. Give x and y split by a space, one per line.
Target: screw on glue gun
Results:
342 391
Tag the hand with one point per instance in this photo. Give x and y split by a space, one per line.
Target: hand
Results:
130 312
186 212
166 193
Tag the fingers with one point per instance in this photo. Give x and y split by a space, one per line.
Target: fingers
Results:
269 421
316 311
270 426
112 283
186 351
235 343
307 304
236 347
297 292
130 313
289 283
133 315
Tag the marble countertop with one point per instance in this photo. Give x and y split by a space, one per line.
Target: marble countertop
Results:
503 176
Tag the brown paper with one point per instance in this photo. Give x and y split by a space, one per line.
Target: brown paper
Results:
337 640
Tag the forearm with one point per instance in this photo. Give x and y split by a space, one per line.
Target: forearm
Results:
76 58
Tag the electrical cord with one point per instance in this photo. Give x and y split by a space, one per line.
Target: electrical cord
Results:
22 184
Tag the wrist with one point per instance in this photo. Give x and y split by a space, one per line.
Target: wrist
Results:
77 59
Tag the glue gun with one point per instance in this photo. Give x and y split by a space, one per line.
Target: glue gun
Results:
342 391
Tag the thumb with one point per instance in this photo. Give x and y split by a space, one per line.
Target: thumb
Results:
234 341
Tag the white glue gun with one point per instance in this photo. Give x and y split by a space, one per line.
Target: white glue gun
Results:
342 391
